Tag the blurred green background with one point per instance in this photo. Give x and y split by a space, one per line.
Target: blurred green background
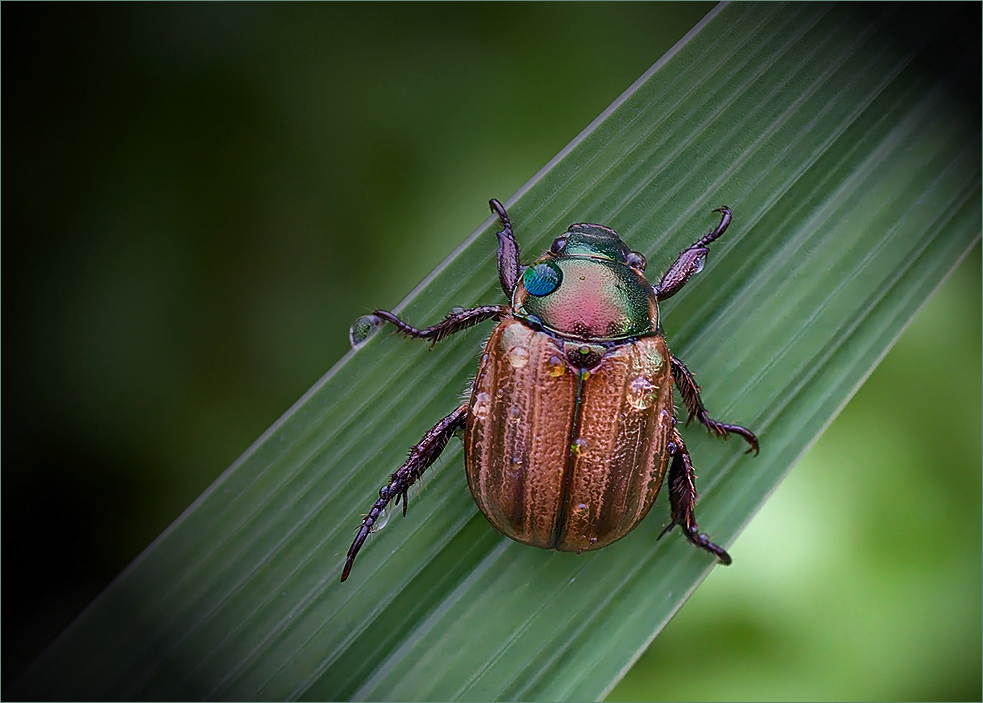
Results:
201 198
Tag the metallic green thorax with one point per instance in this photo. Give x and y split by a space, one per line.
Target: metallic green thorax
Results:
585 288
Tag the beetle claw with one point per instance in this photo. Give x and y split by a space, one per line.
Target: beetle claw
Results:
666 530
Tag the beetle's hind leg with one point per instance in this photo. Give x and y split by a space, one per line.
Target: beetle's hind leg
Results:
682 499
694 403
421 457
454 322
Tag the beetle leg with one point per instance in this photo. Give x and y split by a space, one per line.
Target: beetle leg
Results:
690 260
454 322
694 403
421 457
682 499
508 251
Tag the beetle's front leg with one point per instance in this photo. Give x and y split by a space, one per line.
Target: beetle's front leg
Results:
682 499
694 403
508 251
421 457
454 322
690 261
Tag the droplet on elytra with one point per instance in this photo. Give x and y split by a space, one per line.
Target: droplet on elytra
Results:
518 356
640 393
556 367
515 415
363 328
579 447
653 359
581 507
481 406
664 418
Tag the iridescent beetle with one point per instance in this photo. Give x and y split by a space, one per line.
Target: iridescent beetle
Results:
569 428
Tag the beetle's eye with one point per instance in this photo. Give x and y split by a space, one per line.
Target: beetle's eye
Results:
558 244
542 279
636 260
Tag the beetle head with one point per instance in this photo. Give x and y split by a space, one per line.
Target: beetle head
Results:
596 242
589 286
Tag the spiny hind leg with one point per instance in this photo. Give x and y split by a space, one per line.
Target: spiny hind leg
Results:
682 500
422 455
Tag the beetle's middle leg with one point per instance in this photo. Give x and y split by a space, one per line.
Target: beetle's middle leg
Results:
694 403
421 457
454 322
682 499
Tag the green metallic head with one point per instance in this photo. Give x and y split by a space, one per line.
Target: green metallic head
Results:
588 286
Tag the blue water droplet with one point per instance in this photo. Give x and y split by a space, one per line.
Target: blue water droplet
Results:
542 279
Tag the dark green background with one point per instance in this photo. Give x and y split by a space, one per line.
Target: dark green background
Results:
199 200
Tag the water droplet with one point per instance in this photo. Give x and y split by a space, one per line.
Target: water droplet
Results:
700 262
457 310
584 374
363 328
579 447
664 418
481 406
653 359
517 459
515 415
640 393
581 507
518 356
556 367
593 540
542 279
381 521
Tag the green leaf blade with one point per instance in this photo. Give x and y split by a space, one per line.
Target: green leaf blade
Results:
855 182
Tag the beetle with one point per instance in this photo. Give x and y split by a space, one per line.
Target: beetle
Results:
569 428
